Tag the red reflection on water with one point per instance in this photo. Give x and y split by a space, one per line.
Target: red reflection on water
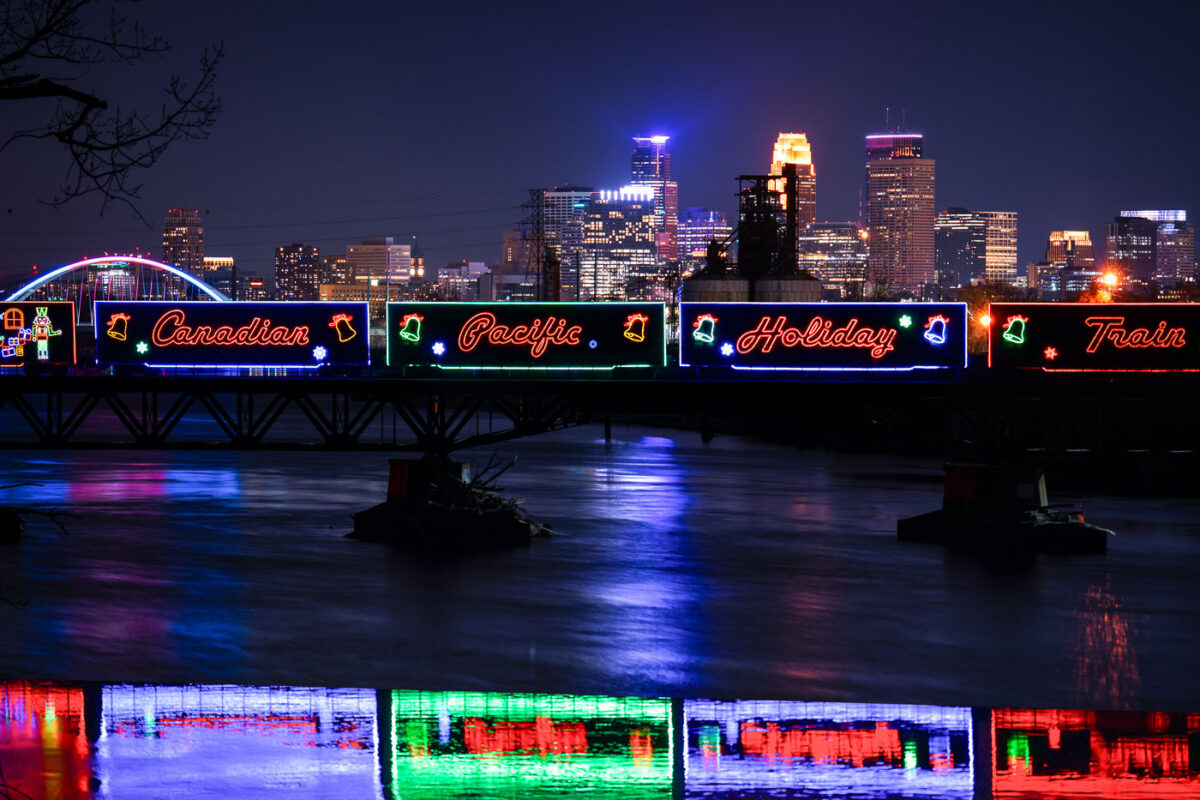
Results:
43 746
1062 753
1106 670
543 735
641 747
855 747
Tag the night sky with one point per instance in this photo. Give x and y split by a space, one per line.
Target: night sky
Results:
358 118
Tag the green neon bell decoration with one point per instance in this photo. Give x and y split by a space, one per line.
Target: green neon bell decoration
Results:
1014 330
706 328
410 327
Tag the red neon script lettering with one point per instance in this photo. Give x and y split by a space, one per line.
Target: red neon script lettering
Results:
538 335
171 330
819 333
1111 328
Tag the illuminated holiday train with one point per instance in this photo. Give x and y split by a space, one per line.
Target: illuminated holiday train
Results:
913 338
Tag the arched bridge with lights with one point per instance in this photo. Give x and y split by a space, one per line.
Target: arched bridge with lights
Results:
972 411
114 278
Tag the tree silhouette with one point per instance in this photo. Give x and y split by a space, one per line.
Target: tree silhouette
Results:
47 49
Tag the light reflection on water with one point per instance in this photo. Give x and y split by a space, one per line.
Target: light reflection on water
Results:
685 569
121 741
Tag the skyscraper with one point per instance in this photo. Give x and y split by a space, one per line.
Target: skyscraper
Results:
1001 257
1069 267
298 273
835 253
1174 245
618 250
960 247
697 227
183 240
651 166
1071 249
379 260
793 148
900 212
1129 247
563 212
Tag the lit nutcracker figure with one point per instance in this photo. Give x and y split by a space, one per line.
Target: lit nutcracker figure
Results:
43 329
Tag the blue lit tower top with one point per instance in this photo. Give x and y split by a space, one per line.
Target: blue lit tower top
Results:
651 166
651 161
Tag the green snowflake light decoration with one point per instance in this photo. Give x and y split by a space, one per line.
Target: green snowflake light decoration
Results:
905 321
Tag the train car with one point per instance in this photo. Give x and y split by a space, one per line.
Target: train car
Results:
894 337
327 336
1094 337
38 336
526 336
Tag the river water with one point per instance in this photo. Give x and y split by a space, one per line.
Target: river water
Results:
732 569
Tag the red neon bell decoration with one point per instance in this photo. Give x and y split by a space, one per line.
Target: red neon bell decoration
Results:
118 325
341 324
635 327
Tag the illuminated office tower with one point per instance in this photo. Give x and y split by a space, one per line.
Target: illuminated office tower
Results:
337 269
1071 249
1068 268
651 166
183 240
563 212
1001 255
379 260
1174 245
697 227
618 250
960 247
793 148
1129 248
900 212
836 254
298 273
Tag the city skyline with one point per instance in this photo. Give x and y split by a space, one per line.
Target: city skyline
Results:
451 175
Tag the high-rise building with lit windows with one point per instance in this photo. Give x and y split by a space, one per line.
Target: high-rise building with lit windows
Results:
794 148
298 273
836 254
697 227
1001 256
1071 249
960 247
563 212
378 260
1174 245
619 244
900 213
1129 248
183 240
651 166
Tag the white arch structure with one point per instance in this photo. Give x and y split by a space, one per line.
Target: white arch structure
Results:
42 280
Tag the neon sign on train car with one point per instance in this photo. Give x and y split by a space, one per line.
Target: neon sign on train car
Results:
300 335
593 336
37 333
823 336
1095 337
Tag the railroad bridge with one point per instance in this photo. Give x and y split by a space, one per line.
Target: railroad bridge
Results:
968 412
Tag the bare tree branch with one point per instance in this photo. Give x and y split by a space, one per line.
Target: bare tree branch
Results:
106 146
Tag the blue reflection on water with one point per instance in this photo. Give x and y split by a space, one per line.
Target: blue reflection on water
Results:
768 749
237 741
